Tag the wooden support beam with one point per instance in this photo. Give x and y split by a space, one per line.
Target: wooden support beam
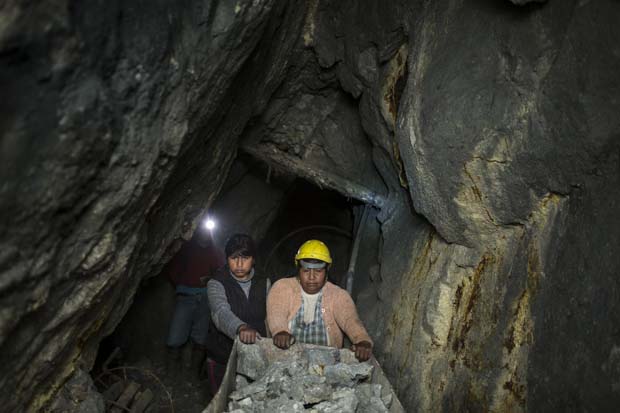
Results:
122 404
142 401
114 391
291 164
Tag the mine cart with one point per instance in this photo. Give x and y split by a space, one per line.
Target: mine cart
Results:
262 377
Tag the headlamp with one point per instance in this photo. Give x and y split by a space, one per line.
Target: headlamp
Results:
209 224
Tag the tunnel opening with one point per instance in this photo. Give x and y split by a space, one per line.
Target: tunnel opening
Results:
280 211
308 212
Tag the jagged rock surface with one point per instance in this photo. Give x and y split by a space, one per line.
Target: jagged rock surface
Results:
523 2
318 379
511 158
121 126
79 395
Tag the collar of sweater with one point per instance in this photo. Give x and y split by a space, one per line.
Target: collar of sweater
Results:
239 280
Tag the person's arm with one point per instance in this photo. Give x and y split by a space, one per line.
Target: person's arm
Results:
277 314
347 319
224 319
277 304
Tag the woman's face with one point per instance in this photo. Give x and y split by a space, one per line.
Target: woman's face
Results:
312 279
240 265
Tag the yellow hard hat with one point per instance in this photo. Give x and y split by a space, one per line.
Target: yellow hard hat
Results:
313 249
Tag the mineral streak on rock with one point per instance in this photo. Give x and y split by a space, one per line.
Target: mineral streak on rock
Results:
318 360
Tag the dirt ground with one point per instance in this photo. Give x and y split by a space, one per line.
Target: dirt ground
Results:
175 386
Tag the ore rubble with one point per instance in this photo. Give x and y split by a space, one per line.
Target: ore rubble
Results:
314 380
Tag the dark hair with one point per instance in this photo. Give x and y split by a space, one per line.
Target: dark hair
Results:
241 244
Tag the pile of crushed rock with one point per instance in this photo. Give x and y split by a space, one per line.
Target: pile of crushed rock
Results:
319 379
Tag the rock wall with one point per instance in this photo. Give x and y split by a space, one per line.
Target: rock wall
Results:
248 202
509 136
119 122
485 134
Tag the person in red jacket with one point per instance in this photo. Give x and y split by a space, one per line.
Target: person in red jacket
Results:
190 270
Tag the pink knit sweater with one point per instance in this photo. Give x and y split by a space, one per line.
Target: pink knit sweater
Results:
339 313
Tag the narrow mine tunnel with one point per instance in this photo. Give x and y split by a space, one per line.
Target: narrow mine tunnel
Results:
460 159
280 212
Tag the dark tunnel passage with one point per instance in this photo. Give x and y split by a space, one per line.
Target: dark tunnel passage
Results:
308 212
281 212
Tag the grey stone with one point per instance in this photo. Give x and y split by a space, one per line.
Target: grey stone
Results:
245 403
315 393
309 377
278 387
255 390
366 391
284 405
275 402
343 400
387 399
347 356
235 406
299 379
291 406
240 381
373 405
318 359
280 378
251 361
345 393
280 369
309 389
347 374
78 395
325 407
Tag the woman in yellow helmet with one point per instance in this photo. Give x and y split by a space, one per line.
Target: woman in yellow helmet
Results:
310 309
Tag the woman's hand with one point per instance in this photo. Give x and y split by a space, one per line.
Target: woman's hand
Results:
248 335
363 350
283 340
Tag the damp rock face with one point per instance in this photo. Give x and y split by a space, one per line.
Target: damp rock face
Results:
484 134
123 122
522 2
317 379
79 395
510 150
